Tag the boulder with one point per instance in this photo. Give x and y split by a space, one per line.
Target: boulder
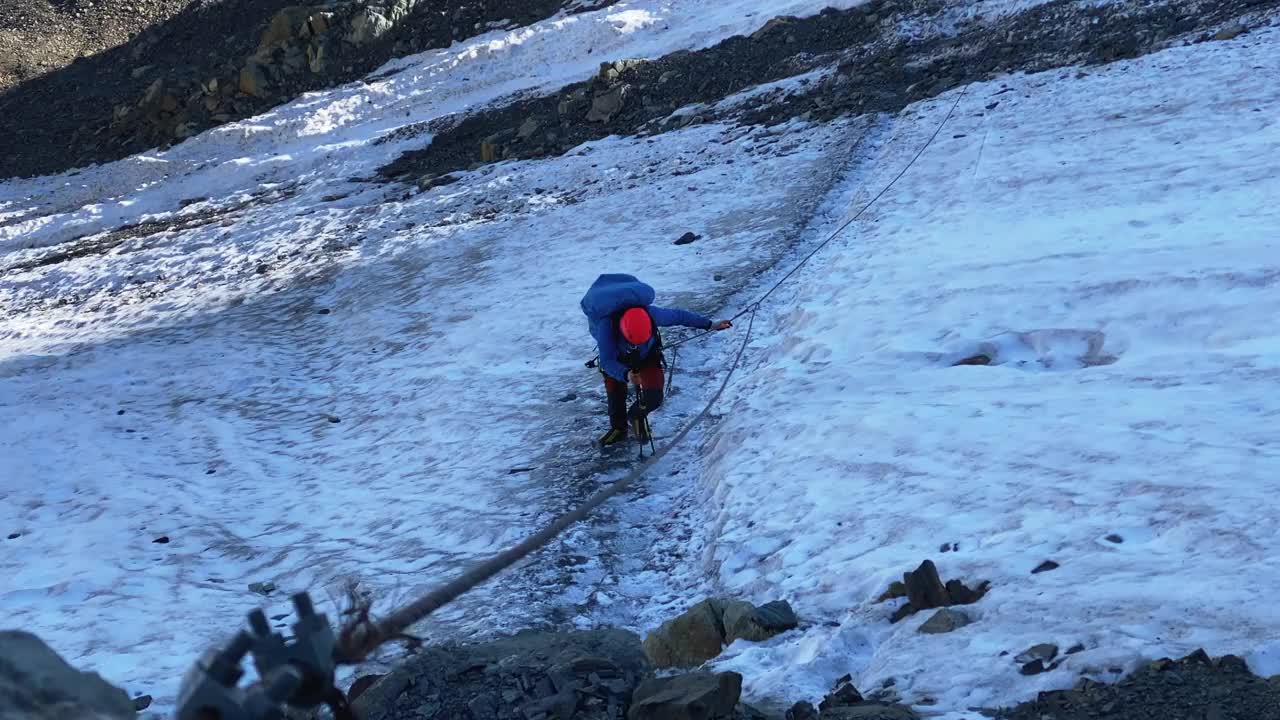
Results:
743 621
253 80
702 631
606 105
1230 32
528 128
802 711
945 621
574 103
374 21
688 640
697 696
37 684
285 25
925 590
1044 651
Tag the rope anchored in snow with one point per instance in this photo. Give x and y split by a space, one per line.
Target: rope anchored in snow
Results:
358 640
300 670
362 637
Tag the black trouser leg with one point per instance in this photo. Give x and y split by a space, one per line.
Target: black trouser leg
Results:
616 392
651 383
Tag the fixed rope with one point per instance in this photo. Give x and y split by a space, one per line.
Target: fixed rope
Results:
356 642
364 635
838 230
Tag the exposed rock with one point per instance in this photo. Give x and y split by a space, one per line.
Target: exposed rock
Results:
802 711
583 675
1035 667
1193 688
431 183
1045 652
925 590
608 104
696 696
284 26
701 632
689 640
924 587
142 702
1045 566
743 621
37 684
687 238
896 590
844 695
574 103
776 24
361 684
262 588
1230 32
528 128
945 621
253 80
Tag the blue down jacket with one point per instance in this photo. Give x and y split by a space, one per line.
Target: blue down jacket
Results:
603 305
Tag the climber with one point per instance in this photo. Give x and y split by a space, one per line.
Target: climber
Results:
624 322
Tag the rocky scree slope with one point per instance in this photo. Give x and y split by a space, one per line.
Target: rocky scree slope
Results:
40 36
225 60
860 60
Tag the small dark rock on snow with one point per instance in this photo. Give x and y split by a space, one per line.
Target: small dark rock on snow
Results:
1043 651
1045 566
162 540
925 591
687 238
944 621
262 588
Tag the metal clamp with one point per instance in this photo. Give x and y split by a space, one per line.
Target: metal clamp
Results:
297 673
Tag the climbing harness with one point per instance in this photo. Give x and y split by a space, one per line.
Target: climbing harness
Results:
299 672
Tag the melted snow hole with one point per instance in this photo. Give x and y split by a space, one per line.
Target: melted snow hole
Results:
1052 349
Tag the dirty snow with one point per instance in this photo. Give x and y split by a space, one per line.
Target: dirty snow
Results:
1108 239
295 377
314 379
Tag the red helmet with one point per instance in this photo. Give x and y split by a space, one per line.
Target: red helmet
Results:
636 326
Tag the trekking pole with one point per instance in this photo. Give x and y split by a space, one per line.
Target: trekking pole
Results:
639 400
648 429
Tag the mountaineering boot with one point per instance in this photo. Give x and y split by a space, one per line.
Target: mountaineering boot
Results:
640 428
615 435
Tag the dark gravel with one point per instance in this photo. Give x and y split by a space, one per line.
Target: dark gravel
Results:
40 36
1193 688
876 72
94 109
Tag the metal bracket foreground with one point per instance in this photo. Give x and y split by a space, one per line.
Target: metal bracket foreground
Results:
297 673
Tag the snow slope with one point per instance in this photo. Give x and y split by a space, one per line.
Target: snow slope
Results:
314 380
1109 238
